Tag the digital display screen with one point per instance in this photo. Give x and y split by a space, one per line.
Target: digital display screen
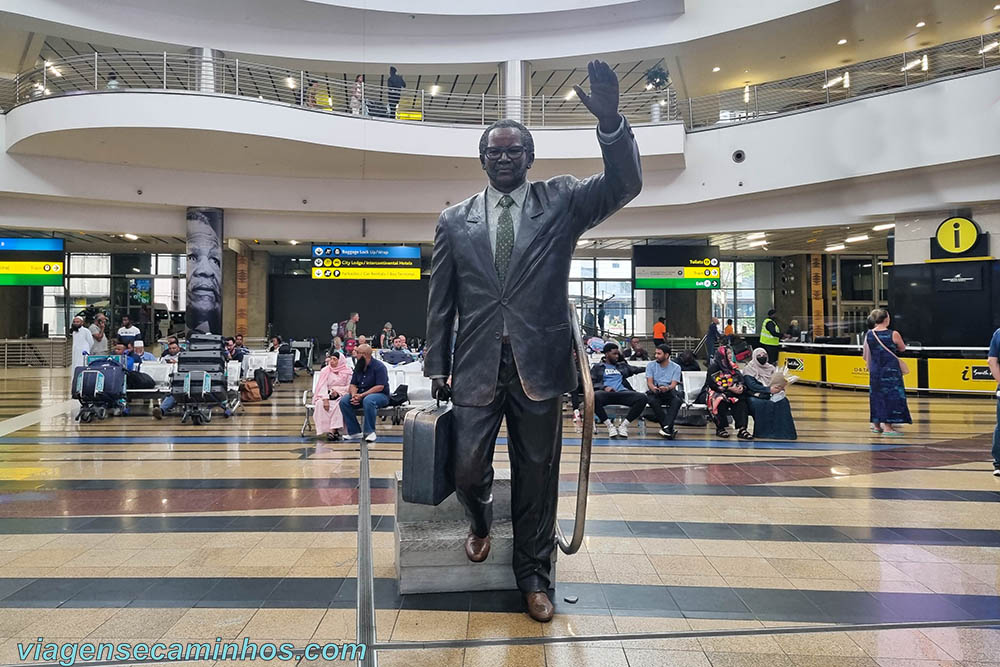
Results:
138 290
676 267
342 262
32 261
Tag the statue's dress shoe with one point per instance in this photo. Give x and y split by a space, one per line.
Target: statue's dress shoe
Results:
477 548
539 606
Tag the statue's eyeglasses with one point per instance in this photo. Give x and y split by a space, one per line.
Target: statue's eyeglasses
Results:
513 152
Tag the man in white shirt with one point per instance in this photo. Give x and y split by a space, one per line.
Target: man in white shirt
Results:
128 332
97 330
83 342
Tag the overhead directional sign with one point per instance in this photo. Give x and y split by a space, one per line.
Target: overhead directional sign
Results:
25 261
337 262
676 267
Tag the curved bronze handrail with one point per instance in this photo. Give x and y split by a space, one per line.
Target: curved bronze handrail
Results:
586 442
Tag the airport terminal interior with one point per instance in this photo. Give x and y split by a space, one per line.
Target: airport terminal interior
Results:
278 279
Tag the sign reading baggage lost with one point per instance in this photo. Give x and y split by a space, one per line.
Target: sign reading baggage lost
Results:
343 262
676 267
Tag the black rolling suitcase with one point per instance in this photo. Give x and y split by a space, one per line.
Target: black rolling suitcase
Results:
285 369
427 444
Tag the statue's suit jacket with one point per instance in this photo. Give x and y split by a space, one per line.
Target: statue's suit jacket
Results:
533 300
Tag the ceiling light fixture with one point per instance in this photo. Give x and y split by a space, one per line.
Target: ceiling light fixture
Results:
921 24
882 228
716 68
856 239
131 237
910 65
582 242
996 8
649 86
833 248
841 42
746 94
923 63
847 79
294 242
290 82
833 82
435 89
663 103
757 243
989 47
570 94
756 235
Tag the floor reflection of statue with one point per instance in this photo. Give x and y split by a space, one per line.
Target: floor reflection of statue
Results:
501 264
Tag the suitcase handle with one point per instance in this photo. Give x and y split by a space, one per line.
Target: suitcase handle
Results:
571 546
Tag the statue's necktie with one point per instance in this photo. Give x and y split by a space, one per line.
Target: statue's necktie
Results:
505 238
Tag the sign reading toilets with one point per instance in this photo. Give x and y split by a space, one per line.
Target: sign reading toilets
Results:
341 262
204 270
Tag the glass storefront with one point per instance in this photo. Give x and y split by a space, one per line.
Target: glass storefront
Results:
149 288
747 294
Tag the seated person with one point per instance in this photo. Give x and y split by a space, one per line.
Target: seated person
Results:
334 381
336 345
636 351
233 353
793 332
171 340
362 340
663 377
119 348
730 329
239 344
139 353
369 389
612 388
172 352
772 413
398 354
688 362
275 344
727 395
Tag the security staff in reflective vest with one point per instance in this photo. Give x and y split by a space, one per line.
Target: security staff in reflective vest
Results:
770 337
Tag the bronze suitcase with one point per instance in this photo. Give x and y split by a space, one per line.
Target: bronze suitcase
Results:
427 444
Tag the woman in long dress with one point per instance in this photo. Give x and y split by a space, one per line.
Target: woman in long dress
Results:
727 395
887 398
334 381
772 413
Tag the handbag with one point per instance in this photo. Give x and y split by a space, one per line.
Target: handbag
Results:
250 392
903 368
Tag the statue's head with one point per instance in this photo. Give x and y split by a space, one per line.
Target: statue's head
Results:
506 151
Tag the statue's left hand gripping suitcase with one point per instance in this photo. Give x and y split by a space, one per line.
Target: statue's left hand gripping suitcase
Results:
427 444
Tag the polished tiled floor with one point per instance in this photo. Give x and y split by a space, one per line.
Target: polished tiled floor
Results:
138 529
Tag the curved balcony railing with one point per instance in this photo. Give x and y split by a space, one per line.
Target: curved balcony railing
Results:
756 101
322 92
122 72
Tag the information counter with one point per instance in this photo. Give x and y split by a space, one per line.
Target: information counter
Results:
941 369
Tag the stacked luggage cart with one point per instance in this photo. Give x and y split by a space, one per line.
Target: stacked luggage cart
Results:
201 382
100 387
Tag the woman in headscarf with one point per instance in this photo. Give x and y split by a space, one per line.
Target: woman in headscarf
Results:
334 381
727 395
765 387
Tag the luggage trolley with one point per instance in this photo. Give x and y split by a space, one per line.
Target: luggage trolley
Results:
100 387
200 383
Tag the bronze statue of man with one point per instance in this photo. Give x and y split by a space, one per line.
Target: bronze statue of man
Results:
501 266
